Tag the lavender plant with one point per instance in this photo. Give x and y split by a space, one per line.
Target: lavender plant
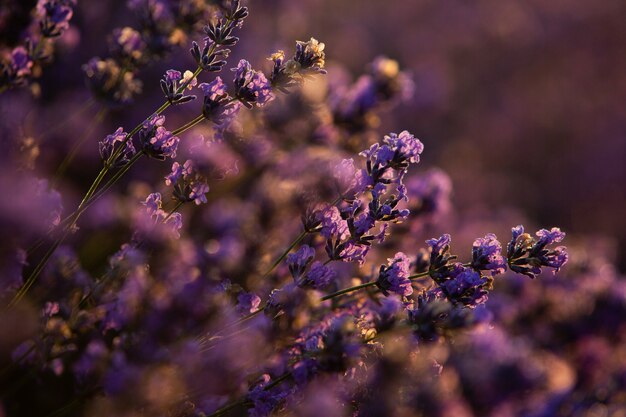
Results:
263 250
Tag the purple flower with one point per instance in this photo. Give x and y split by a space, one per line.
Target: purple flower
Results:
153 205
394 277
156 140
556 258
526 255
172 75
54 16
21 62
172 86
405 147
431 193
440 257
107 147
548 237
218 107
175 175
189 185
319 276
333 226
487 255
264 400
251 87
466 286
350 180
309 57
175 220
198 192
396 154
248 302
299 261
352 251
128 44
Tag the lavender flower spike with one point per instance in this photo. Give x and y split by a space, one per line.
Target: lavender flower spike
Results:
395 276
526 255
251 87
487 255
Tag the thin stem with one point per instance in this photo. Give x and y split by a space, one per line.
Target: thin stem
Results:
285 253
84 107
229 407
421 274
245 401
368 284
348 290
188 125
70 156
81 208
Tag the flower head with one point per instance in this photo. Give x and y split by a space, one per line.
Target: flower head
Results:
394 277
487 255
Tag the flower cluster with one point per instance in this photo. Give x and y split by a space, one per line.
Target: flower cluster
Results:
20 65
188 183
308 59
156 141
526 255
354 107
108 147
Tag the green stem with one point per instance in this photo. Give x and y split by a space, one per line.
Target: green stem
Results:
366 285
84 107
70 156
81 208
348 290
229 407
285 253
188 125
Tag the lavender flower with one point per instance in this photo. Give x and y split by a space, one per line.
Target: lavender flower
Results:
397 153
156 141
251 87
319 277
466 286
526 255
333 226
394 277
351 181
189 184
218 107
173 81
309 59
107 148
128 46
54 16
440 257
299 261
433 317
248 302
264 400
487 255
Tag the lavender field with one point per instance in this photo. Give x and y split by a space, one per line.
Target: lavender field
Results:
313 208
